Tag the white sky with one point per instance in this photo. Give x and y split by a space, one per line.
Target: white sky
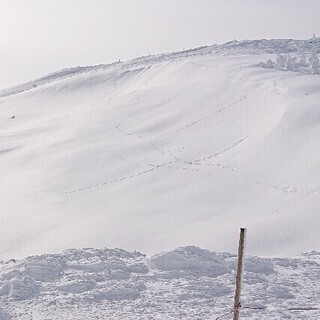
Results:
41 36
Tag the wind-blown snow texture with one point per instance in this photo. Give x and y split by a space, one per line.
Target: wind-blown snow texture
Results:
187 283
161 151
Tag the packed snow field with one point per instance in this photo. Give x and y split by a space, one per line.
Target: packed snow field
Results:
187 283
124 155
188 140
157 153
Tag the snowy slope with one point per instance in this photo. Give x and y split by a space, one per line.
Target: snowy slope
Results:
187 283
164 151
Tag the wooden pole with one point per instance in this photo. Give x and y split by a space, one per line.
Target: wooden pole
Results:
237 294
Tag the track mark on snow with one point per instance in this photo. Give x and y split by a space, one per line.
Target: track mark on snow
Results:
191 124
111 181
223 151
186 126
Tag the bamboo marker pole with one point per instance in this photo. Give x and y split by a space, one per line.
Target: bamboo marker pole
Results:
237 294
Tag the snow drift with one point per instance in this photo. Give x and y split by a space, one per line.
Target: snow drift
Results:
161 152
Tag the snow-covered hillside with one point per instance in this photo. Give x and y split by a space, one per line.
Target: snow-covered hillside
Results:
164 151
187 283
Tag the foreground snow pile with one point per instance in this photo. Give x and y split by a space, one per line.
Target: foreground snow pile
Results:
191 260
189 283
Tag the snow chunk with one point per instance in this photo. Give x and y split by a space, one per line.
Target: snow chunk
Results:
78 287
269 64
24 289
191 260
279 292
44 268
4 315
12 274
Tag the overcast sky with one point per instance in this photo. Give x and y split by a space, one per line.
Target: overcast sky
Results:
41 36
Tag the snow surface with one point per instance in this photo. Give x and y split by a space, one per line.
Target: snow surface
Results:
163 151
187 283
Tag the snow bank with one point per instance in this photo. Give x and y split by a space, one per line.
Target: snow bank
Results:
188 282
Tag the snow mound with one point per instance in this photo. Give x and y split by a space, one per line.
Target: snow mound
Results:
20 289
259 265
93 274
256 265
44 268
191 260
